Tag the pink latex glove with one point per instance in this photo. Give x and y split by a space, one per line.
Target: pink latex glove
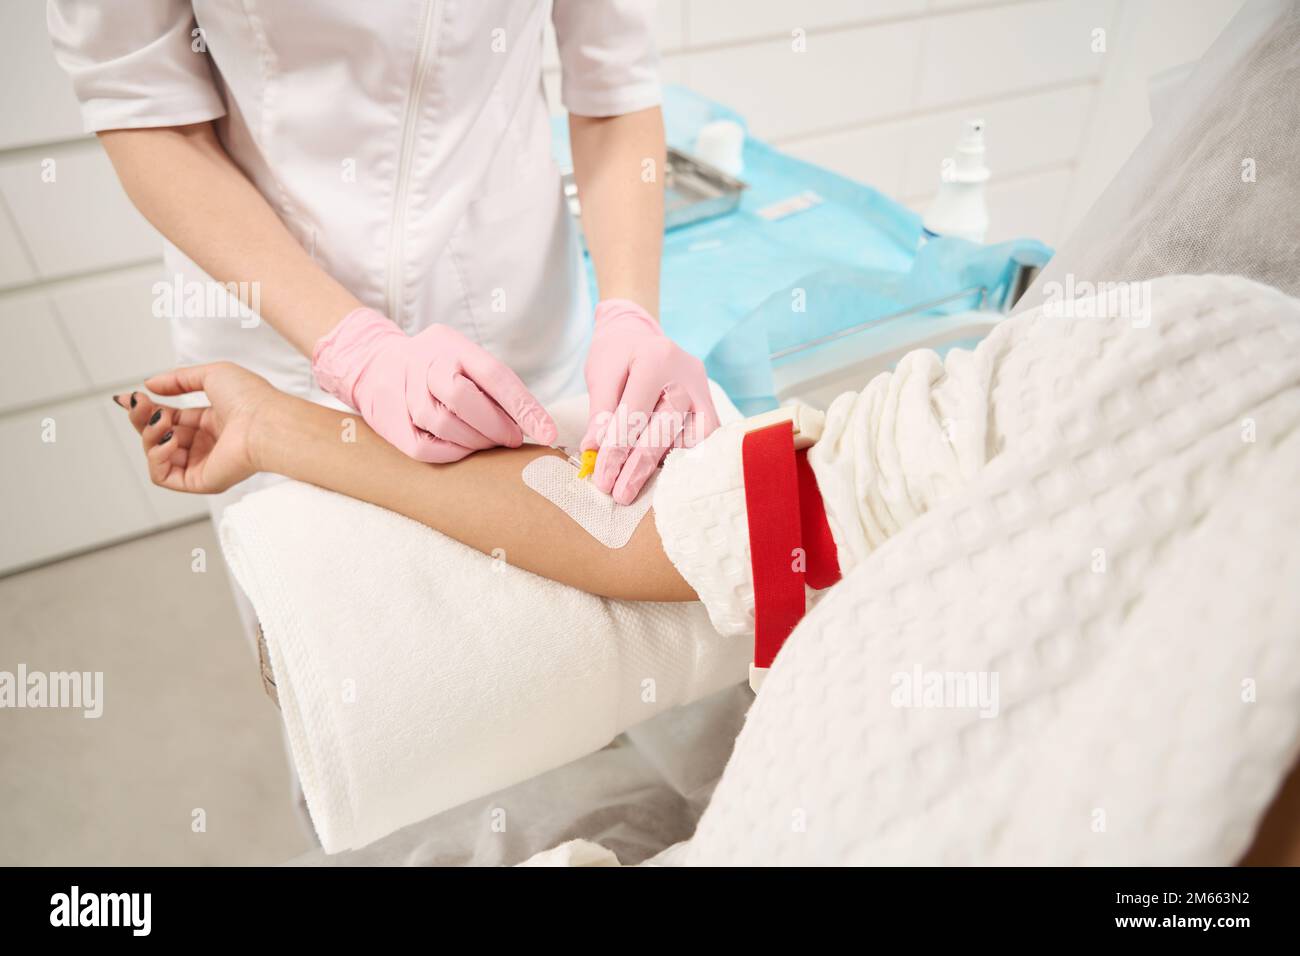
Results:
645 394
435 395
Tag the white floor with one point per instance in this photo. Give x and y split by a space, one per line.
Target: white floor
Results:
185 725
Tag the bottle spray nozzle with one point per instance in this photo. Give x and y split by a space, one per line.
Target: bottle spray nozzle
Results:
970 153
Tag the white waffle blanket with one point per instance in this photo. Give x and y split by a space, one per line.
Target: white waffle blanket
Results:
1088 524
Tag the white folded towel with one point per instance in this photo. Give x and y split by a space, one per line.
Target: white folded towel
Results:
415 673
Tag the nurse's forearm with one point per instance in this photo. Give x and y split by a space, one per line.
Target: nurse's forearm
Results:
481 501
618 164
185 183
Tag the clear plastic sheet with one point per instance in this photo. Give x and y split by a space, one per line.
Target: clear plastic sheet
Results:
641 794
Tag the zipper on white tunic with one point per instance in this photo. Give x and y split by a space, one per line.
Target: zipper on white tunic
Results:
398 225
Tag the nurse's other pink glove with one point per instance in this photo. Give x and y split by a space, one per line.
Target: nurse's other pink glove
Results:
435 395
645 395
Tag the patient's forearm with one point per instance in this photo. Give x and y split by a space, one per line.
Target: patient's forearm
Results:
481 501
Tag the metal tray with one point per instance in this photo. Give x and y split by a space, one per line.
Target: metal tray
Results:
693 191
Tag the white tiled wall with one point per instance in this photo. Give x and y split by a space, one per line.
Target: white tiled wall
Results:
880 88
35 100
878 94
77 263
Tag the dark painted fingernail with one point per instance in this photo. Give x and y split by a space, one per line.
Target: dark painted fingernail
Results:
156 415
166 438
116 402
133 399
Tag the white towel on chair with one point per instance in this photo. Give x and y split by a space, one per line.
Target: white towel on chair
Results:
415 673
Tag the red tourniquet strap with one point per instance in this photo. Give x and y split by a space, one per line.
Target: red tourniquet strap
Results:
772 509
823 558
788 533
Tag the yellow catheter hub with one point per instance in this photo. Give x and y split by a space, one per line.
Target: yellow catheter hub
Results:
588 464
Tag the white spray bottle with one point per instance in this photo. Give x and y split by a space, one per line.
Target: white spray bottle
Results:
961 209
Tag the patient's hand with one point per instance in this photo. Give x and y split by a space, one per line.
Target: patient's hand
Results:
480 501
201 450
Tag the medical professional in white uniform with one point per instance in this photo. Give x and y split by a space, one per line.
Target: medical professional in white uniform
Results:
381 174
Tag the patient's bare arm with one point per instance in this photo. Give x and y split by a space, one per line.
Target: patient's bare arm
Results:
480 501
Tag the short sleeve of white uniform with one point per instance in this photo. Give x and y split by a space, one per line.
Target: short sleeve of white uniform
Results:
609 65
133 63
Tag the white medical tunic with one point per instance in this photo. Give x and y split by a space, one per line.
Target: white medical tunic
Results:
405 143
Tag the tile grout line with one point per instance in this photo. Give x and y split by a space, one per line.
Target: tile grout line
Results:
69 342
8 215
1033 172
41 150
932 112
17 569
69 398
73 279
926 14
